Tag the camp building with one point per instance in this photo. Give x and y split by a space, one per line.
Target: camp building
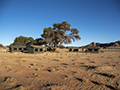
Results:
91 49
74 49
17 48
35 49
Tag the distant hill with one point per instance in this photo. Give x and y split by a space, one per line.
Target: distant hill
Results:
111 44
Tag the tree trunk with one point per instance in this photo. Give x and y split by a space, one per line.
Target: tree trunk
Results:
56 47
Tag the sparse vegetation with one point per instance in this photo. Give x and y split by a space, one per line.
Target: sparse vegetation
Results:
1 45
9 79
43 72
51 70
85 80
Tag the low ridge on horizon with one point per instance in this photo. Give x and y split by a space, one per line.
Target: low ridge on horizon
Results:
111 44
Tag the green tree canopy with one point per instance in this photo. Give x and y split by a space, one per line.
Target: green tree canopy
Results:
1 45
39 41
60 33
21 40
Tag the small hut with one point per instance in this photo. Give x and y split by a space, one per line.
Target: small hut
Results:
73 49
91 49
35 49
17 48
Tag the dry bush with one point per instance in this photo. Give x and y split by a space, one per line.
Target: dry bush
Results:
24 60
51 70
37 69
35 74
34 64
8 67
30 66
9 80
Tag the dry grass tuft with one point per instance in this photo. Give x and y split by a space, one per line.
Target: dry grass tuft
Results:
18 71
24 60
8 67
91 66
37 69
9 79
56 60
85 80
93 61
109 57
35 74
82 63
65 64
34 64
74 60
51 70
30 66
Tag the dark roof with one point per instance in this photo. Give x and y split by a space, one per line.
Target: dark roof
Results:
93 47
17 46
36 46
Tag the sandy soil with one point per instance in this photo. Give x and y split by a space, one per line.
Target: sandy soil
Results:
60 71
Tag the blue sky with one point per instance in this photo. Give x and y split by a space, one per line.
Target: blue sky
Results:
96 20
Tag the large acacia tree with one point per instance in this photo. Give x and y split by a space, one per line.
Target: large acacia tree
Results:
60 33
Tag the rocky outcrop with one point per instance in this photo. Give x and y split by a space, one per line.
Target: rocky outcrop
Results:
112 44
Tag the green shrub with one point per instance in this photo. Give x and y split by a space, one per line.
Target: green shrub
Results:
61 46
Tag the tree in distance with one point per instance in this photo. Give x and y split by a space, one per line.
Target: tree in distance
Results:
59 34
21 40
1 45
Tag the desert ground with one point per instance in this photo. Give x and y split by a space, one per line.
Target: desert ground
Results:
62 70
